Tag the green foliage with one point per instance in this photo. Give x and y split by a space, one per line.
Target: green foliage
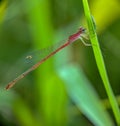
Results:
100 62
84 95
58 93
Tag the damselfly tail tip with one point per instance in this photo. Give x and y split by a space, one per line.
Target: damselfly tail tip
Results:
8 87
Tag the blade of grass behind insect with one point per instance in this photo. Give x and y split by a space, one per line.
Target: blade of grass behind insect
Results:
100 62
42 33
3 5
42 36
24 114
84 96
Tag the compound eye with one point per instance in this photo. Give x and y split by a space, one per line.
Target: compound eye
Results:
82 29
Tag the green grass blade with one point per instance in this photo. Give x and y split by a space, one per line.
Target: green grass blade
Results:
84 96
3 6
24 114
100 62
52 108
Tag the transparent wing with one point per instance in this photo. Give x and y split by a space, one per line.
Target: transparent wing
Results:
27 61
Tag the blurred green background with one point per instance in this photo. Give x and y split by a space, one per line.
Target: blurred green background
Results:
66 90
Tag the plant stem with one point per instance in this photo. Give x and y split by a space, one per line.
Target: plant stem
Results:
100 62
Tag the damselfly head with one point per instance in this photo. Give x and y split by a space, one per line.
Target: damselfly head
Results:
82 30
84 33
